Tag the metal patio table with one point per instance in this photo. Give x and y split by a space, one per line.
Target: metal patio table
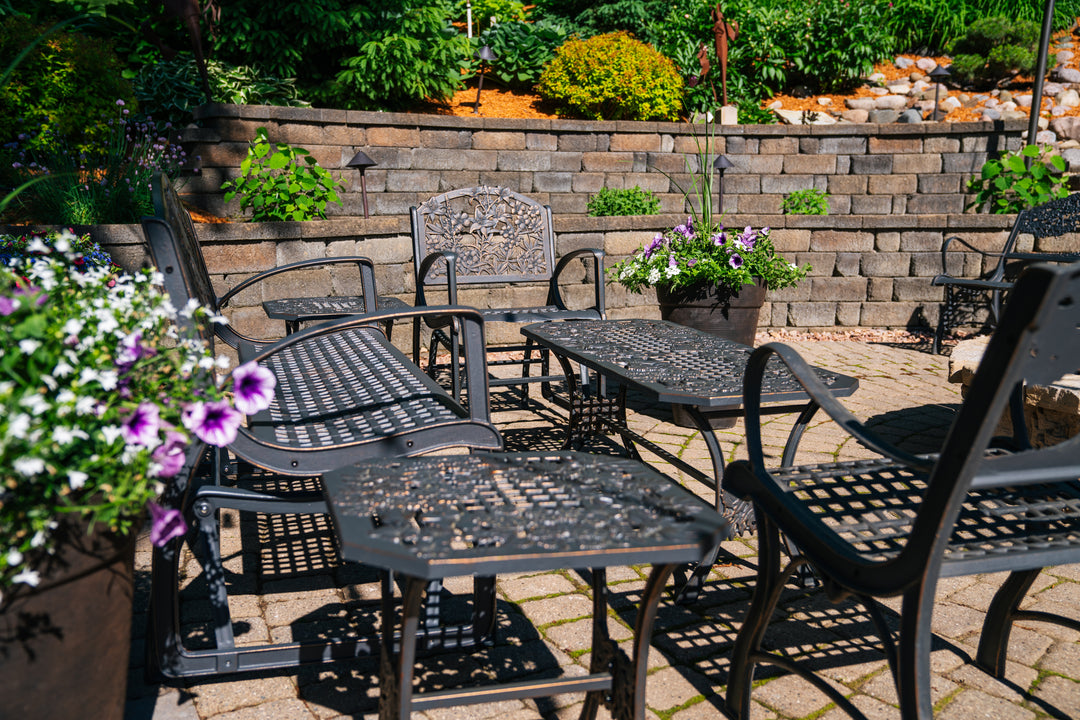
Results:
437 516
671 363
299 310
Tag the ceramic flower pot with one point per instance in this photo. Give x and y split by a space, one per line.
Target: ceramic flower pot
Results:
732 315
64 645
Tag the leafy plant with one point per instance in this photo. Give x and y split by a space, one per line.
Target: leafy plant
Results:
522 50
811 201
623 201
171 89
106 185
99 403
994 49
65 84
280 182
612 77
1008 185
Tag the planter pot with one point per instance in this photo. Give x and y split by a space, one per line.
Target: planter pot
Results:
717 311
64 645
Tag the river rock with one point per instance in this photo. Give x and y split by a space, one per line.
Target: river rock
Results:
992 103
917 77
1064 56
949 104
825 101
879 91
882 116
1005 96
1067 98
1058 111
1045 137
1013 115
903 63
856 116
1072 157
875 77
1008 106
990 114
899 88
1052 88
925 64
1066 74
859 103
1023 100
891 102
1067 127
910 116
919 86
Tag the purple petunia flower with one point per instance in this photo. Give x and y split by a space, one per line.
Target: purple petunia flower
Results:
254 388
141 426
165 524
169 455
215 423
719 239
735 260
656 244
8 305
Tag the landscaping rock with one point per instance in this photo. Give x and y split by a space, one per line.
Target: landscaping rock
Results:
949 104
1023 100
925 64
883 116
891 102
1052 88
1067 98
879 91
910 116
1072 157
1009 106
1065 75
775 105
790 117
1005 96
1058 110
917 77
825 101
1067 127
1045 137
856 115
1012 115
903 62
859 103
990 114
876 77
899 88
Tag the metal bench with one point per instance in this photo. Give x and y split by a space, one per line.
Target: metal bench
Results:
893 525
970 300
344 394
494 235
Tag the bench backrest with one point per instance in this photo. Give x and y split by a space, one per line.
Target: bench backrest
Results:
498 235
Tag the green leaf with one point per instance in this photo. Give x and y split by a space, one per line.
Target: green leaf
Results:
277 161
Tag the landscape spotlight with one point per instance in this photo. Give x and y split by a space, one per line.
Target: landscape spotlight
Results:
720 164
485 55
362 162
938 74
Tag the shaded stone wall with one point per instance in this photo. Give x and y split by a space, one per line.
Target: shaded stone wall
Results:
867 169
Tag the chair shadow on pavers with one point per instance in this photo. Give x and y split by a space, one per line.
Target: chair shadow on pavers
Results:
344 394
883 530
503 244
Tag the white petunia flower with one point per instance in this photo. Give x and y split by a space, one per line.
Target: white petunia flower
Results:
63 369
37 245
111 432
29 345
77 478
19 425
29 466
38 540
28 577
108 379
35 403
14 557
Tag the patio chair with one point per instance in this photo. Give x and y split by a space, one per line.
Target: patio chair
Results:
494 236
344 394
967 298
893 525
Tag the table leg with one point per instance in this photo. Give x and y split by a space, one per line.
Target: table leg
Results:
396 667
626 701
586 410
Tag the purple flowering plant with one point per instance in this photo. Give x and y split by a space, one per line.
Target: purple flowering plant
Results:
101 396
702 251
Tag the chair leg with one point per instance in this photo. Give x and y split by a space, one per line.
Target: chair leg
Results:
913 654
770 582
994 641
945 314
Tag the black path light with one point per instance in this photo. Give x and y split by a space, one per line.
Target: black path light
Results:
362 162
485 55
938 74
1040 74
720 164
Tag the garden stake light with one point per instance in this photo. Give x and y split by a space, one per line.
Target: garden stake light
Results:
362 162
720 164
938 74
485 55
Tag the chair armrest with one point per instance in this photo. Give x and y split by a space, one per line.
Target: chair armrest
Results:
451 276
804 374
365 265
555 296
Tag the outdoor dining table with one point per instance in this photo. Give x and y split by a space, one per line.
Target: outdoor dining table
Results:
670 363
431 517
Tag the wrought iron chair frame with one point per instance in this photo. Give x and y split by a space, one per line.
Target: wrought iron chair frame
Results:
508 238
345 394
965 297
892 526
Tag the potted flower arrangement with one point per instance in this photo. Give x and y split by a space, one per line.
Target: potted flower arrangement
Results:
103 402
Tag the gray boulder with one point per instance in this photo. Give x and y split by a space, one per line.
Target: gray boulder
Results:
1066 127
910 116
990 114
883 116
1066 75
891 102
1072 157
856 116
903 63
859 103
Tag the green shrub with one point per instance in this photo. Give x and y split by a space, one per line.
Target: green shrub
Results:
63 88
595 18
624 201
1008 185
613 77
522 50
286 184
171 89
993 49
811 201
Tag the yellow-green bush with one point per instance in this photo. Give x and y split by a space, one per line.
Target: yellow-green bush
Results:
612 77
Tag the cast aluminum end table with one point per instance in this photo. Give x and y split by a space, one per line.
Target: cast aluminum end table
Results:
308 309
675 364
432 517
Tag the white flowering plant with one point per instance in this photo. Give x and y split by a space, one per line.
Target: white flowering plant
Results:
696 254
100 396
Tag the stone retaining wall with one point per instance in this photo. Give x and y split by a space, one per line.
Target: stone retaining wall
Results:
868 169
869 270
